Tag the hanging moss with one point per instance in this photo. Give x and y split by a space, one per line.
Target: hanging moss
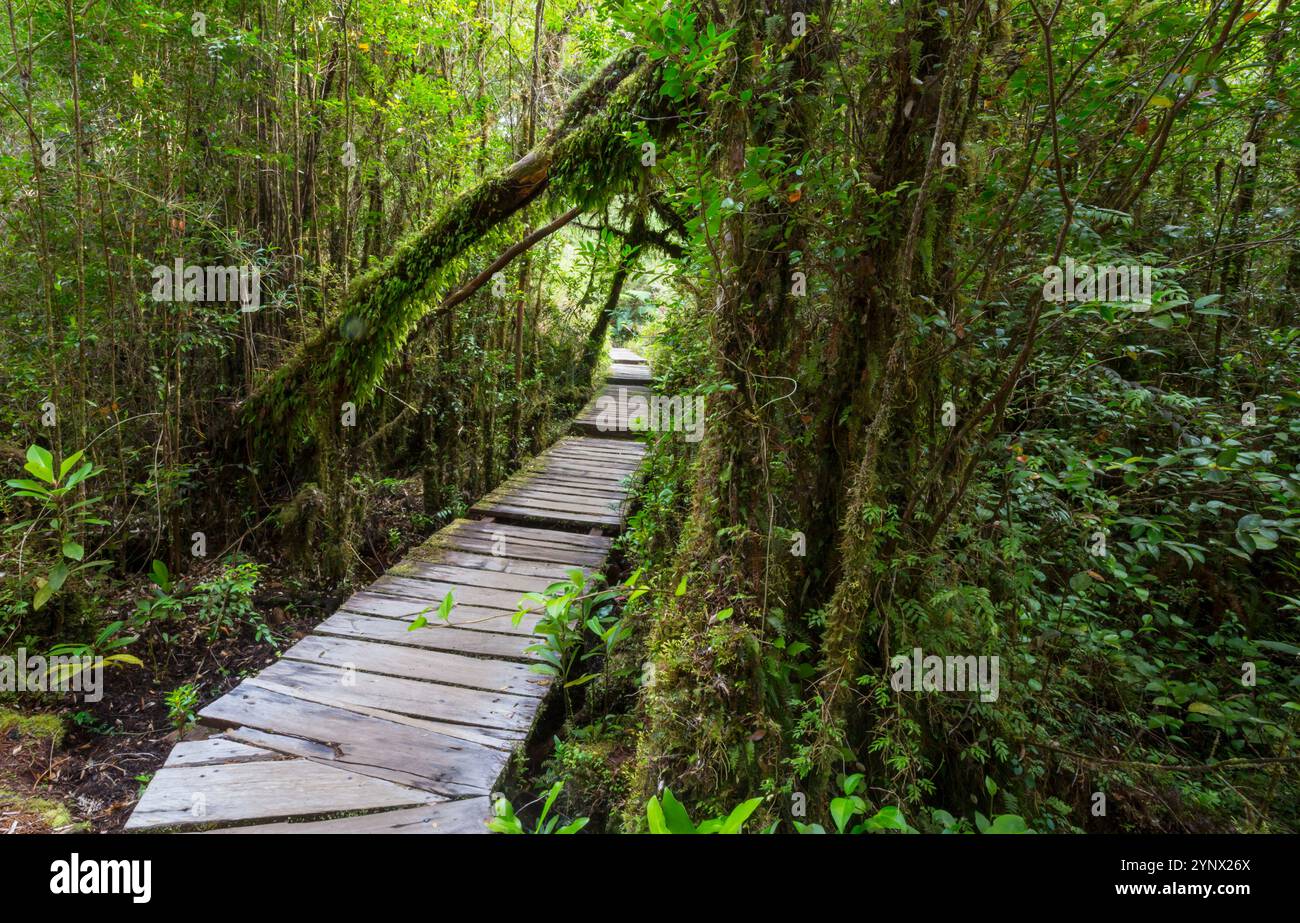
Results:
583 162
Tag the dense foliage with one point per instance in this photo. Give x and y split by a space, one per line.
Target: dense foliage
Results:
847 227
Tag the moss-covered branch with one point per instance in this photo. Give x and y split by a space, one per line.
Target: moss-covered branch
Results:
582 162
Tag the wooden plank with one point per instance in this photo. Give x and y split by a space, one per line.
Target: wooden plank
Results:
562 502
615 449
606 478
534 514
463 615
417 663
493 738
546 480
576 488
432 593
489 579
468 815
188 796
545 569
383 747
418 698
530 533
518 550
214 750
505 545
435 637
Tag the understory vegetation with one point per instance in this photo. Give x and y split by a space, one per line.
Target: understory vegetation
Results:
992 307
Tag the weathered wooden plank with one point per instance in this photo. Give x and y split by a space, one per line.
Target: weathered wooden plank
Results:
605 477
476 619
388 604
560 484
576 482
545 569
530 533
567 501
468 815
494 738
188 796
432 592
379 746
420 664
525 551
434 636
581 448
214 750
613 446
488 579
543 515
628 373
418 698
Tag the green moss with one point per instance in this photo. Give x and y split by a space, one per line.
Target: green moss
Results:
585 161
53 814
41 727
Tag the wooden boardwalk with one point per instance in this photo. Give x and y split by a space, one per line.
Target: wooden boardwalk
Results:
366 726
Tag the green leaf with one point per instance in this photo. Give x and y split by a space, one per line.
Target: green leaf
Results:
739 814
1008 823
654 816
79 475
888 818
675 816
1201 708
73 550
40 463
1280 646
66 465
842 811
444 608
681 587
43 594
58 573
32 487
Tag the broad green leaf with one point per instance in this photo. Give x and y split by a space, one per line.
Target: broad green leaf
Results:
40 463
58 573
888 818
739 814
675 815
43 594
842 811
1008 823
66 465
655 817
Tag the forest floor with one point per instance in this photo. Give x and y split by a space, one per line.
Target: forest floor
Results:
85 769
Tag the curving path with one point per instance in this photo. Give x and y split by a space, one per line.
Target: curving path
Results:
365 726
